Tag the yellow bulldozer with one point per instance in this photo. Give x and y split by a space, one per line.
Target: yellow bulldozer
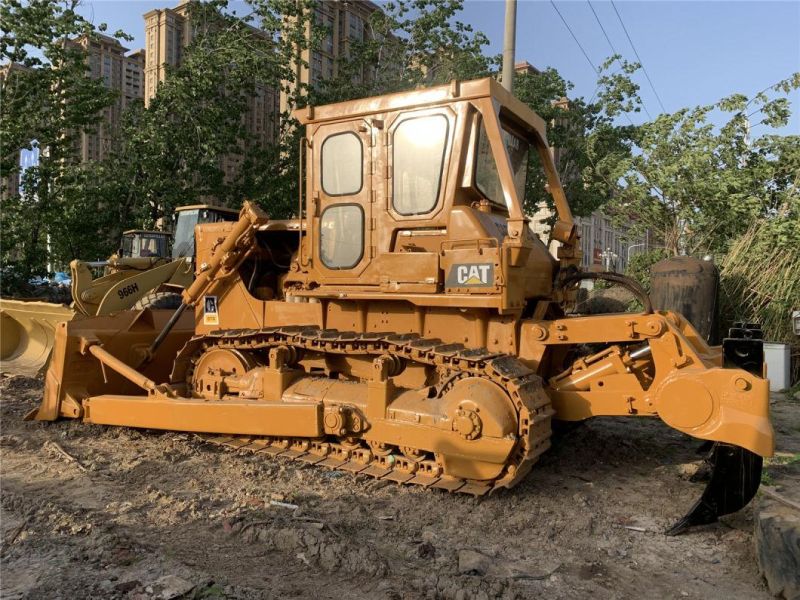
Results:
146 270
409 325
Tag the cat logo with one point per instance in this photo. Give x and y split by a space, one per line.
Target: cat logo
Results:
471 275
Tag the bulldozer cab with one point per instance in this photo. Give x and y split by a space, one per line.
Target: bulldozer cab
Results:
421 193
186 217
145 244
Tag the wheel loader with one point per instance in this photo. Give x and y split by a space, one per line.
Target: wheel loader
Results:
143 272
409 325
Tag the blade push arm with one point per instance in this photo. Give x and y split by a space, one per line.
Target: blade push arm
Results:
224 261
229 254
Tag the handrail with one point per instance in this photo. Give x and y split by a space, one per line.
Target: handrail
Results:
490 243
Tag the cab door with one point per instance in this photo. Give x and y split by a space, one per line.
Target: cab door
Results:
343 220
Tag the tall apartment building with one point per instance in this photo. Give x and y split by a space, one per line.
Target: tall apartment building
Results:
9 182
166 34
108 62
133 85
168 31
345 22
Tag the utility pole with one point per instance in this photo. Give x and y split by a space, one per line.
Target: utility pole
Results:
509 45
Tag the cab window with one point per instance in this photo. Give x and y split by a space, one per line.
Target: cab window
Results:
342 161
517 149
142 245
419 147
487 179
184 233
152 245
341 236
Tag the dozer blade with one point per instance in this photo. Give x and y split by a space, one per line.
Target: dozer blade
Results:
735 477
74 375
27 334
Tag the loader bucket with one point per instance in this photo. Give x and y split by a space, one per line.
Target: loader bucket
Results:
27 334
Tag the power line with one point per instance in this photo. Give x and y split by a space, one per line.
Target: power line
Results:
639 58
603 29
614 50
574 37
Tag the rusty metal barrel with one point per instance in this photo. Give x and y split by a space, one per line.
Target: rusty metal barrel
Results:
687 285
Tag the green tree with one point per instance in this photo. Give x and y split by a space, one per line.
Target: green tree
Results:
46 100
592 149
173 151
409 43
697 186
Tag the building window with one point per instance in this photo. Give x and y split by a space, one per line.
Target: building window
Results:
356 28
327 43
418 158
341 236
342 161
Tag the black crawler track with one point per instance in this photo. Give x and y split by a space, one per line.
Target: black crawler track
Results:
524 388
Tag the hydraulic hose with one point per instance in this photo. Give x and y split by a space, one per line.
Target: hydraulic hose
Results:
626 282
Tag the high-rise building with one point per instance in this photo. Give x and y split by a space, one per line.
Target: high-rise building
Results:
166 34
133 86
108 62
9 181
345 22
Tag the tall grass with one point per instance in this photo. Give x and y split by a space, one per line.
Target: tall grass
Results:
760 283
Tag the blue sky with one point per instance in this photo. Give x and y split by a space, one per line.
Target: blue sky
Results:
695 52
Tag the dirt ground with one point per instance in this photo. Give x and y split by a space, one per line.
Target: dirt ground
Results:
101 512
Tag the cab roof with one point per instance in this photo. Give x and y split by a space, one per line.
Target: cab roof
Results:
135 231
223 209
426 97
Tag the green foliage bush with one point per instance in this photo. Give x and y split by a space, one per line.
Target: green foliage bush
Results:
639 266
760 277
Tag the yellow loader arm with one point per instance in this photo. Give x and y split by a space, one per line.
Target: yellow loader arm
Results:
122 289
28 328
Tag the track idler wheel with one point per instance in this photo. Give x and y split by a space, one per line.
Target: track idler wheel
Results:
212 368
735 477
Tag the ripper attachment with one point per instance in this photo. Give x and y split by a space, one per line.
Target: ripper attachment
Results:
735 472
